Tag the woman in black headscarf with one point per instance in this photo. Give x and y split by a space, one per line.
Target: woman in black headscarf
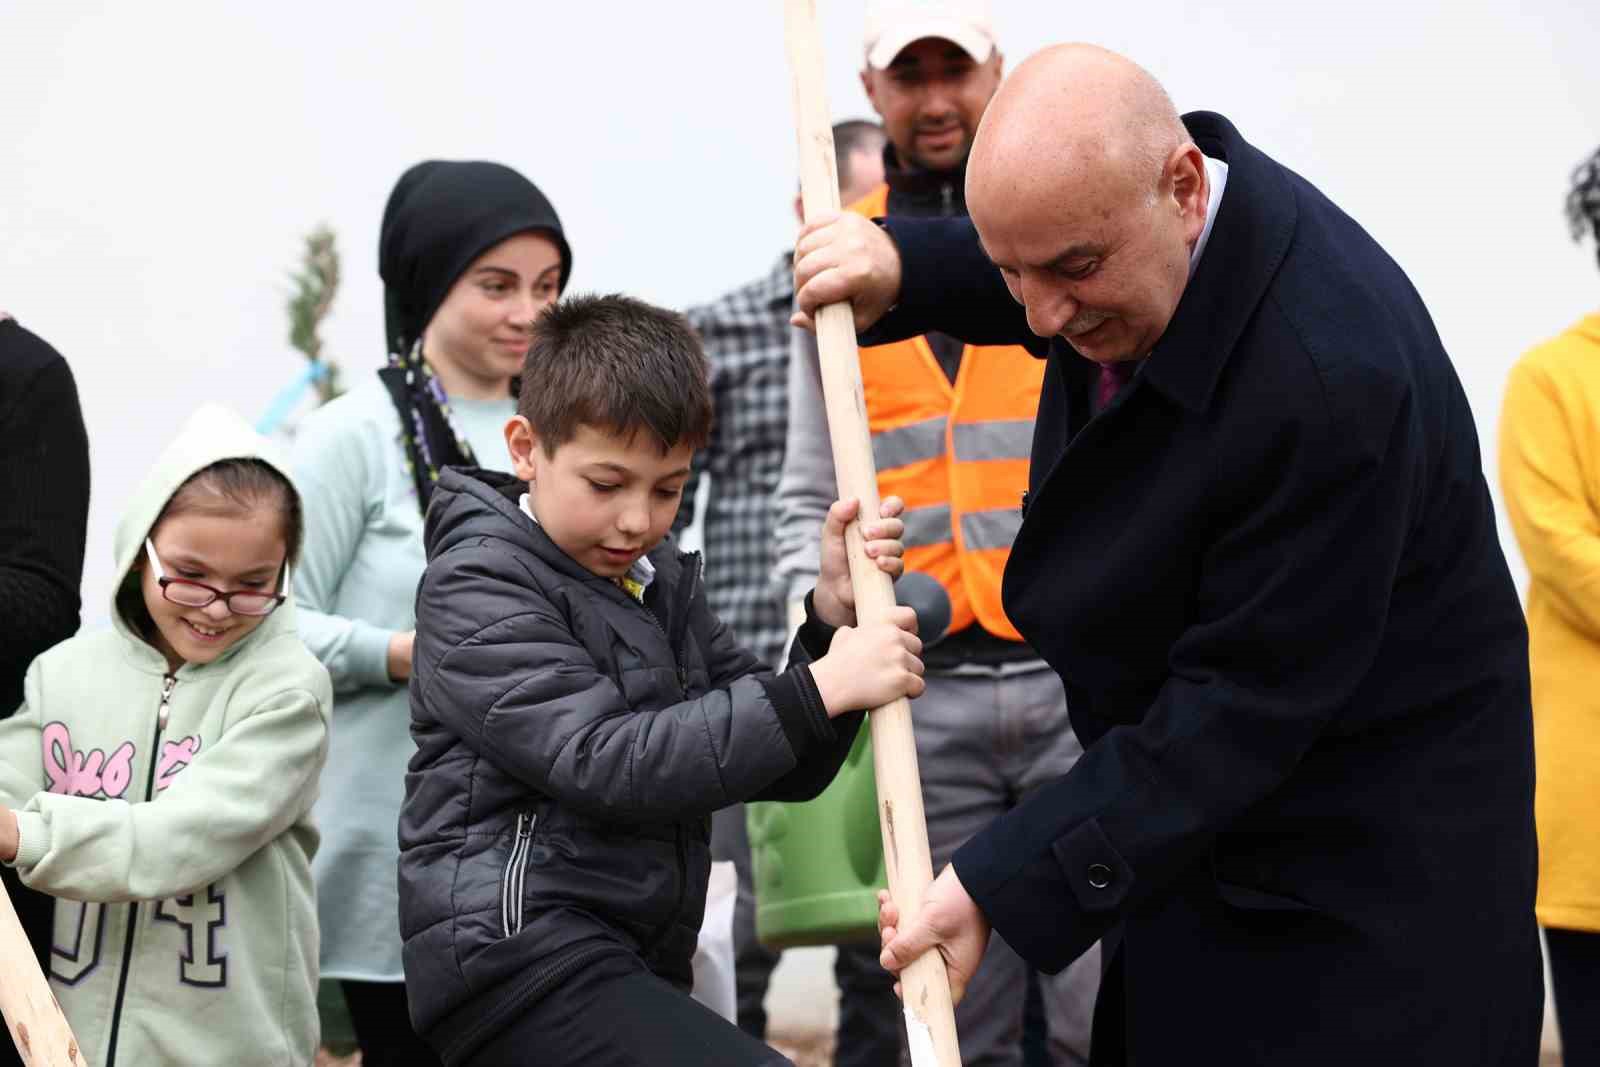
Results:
469 253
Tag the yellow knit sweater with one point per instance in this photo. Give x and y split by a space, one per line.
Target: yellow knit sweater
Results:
1550 474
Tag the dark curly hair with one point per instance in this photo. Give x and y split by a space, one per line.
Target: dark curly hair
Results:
1583 202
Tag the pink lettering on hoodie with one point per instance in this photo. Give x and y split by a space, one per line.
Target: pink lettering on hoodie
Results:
85 774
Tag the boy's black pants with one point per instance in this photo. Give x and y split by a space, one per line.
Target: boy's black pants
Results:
380 1015
616 1013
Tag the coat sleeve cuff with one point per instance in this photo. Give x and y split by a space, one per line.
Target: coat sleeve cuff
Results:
938 257
369 654
811 641
795 697
1053 907
33 839
918 242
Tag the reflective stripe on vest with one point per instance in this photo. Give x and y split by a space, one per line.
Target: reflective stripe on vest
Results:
1007 439
991 529
928 526
905 445
974 441
957 453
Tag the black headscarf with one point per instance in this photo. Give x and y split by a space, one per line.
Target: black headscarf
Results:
441 216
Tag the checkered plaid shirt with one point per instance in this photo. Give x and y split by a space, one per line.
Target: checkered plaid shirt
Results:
746 337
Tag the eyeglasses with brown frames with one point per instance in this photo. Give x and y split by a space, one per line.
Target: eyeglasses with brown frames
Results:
188 594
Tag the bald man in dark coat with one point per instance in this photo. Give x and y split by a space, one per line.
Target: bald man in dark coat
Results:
1259 549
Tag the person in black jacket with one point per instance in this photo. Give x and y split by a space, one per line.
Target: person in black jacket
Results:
44 481
579 714
1259 549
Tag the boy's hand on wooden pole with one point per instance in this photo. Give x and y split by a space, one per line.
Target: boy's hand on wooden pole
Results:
871 665
835 599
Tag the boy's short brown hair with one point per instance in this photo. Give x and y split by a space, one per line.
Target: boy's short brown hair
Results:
618 364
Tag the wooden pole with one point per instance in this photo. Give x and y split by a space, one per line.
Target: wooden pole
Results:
925 987
33 1016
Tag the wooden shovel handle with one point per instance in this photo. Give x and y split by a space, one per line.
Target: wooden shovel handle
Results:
32 1014
930 1015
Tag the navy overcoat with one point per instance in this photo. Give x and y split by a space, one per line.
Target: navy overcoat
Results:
1269 577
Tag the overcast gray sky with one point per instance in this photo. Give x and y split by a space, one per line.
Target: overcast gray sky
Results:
160 161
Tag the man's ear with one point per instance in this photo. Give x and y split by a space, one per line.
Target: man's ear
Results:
522 442
1186 168
1190 187
869 87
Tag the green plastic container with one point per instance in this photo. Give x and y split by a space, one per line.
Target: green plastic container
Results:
818 866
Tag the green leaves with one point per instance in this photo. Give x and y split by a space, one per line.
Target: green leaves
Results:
315 286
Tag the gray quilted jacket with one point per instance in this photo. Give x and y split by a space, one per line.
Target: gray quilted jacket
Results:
571 746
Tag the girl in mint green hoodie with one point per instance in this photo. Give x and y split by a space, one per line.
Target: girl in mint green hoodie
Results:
159 776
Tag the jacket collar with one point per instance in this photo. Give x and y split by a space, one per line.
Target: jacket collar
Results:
1249 239
470 503
920 192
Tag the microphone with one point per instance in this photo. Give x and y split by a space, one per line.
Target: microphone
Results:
923 594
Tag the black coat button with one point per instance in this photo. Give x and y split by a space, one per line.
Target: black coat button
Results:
1099 875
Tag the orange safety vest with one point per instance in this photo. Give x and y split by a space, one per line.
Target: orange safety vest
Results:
957 453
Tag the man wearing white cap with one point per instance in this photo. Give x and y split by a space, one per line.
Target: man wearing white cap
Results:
952 427
931 68
894 25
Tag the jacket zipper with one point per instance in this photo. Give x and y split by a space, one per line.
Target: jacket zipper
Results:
168 683
679 653
516 876
683 872
662 630
680 620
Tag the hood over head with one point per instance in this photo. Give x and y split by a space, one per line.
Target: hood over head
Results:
212 434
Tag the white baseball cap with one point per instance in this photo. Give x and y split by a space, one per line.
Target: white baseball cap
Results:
893 24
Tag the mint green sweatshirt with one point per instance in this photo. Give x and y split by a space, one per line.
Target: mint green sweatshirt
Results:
186 927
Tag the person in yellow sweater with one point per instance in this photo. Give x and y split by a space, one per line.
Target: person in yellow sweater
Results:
1550 475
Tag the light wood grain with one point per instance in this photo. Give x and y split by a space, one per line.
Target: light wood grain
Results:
930 1016
33 1017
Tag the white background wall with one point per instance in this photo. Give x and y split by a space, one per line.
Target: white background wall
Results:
160 161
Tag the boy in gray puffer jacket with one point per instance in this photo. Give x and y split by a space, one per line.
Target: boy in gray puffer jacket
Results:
579 714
